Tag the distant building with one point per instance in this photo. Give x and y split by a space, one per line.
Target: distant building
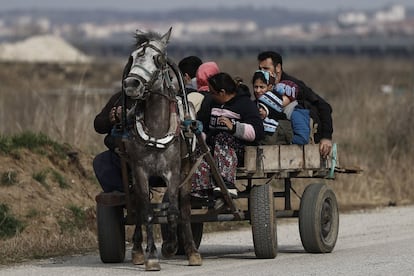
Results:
393 14
352 18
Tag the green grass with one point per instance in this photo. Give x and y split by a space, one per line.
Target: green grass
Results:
35 142
42 175
41 178
76 220
63 183
9 225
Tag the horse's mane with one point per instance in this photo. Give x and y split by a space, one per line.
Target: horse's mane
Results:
146 37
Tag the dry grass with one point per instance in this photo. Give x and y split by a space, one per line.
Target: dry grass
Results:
58 100
373 130
23 247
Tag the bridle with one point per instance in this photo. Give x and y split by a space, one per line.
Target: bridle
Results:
166 89
148 78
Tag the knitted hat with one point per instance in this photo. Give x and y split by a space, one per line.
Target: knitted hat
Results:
272 101
263 106
270 125
287 88
265 76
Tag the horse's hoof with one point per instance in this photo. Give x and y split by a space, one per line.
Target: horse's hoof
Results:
138 257
195 259
152 265
168 250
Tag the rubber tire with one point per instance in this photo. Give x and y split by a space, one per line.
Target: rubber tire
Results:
318 219
197 229
111 233
263 221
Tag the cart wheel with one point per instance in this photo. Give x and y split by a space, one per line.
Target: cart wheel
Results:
111 233
263 220
197 229
318 219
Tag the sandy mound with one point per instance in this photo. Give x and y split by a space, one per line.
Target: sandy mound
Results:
46 48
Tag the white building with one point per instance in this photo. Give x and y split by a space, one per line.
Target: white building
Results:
352 18
393 14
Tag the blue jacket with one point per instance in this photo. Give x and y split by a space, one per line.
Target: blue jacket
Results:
300 120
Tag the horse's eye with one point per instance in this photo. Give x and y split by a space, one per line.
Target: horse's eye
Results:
159 60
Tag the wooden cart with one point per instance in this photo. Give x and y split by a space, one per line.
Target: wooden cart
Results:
317 214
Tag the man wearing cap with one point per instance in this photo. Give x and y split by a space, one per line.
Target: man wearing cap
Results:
320 110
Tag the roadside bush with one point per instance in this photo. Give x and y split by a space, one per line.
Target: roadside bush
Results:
41 178
9 225
56 176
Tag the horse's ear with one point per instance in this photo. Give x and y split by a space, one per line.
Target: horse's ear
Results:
166 37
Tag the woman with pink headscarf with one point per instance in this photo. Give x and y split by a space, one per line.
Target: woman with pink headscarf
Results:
206 70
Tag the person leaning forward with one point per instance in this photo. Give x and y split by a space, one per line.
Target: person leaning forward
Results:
107 164
320 110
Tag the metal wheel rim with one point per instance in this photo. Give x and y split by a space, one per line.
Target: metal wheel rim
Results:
326 218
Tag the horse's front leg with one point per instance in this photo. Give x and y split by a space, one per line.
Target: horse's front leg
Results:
152 262
170 246
194 257
137 251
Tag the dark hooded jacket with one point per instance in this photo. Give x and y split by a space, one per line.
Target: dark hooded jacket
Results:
244 113
102 123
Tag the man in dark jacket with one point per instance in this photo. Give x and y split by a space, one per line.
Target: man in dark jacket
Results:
320 110
107 165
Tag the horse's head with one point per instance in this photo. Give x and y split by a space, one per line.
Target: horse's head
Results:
146 64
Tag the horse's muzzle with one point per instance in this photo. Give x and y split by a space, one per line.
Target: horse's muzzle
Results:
133 87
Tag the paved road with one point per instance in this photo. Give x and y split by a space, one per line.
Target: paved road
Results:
376 242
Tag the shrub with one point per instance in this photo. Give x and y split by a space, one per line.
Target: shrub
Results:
41 177
5 144
9 226
59 179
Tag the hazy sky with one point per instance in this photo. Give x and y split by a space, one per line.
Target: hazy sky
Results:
163 5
